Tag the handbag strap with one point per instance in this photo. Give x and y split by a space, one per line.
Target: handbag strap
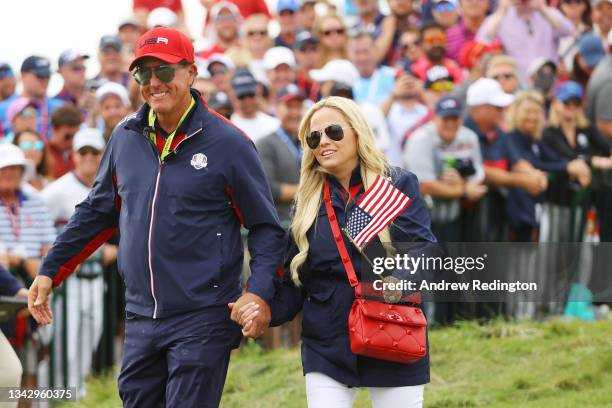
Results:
344 255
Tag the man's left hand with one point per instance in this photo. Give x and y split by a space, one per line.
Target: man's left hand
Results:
252 313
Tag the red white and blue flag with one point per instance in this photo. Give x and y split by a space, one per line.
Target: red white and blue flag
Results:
375 210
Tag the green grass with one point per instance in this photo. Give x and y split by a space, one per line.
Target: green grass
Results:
553 364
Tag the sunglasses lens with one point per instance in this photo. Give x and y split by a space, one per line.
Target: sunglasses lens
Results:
313 139
334 132
165 73
143 76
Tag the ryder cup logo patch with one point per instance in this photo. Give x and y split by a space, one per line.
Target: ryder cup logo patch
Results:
199 161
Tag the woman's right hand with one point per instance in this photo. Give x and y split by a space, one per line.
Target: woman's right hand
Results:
579 170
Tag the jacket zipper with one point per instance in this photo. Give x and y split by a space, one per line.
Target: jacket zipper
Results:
153 205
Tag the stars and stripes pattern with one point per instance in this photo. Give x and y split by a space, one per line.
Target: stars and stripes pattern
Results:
376 209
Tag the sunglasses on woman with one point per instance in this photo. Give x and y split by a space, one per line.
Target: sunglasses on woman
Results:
37 145
334 132
339 31
165 73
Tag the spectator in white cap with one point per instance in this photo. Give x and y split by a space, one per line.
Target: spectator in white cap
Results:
161 17
503 164
280 65
226 19
113 104
142 8
84 290
339 70
24 242
221 68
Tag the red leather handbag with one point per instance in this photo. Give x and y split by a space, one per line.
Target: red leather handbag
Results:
379 330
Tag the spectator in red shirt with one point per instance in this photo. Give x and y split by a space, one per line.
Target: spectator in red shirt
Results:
65 122
226 20
434 45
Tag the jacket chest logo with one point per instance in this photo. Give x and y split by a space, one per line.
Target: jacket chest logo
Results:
199 161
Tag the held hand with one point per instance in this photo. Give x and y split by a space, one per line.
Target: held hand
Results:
255 326
580 171
451 176
474 190
23 294
392 296
38 299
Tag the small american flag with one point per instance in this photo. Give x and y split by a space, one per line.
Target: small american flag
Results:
376 209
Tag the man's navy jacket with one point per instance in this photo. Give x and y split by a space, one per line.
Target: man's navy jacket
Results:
179 219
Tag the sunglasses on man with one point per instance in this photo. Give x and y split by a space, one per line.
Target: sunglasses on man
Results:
334 132
165 73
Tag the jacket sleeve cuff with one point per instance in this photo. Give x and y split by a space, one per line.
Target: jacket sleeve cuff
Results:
263 290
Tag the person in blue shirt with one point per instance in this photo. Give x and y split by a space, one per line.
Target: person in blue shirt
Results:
35 75
340 153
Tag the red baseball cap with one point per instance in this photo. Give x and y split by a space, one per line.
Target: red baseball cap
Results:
167 44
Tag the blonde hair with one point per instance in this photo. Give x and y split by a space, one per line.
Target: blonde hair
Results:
308 199
521 98
501 60
554 118
318 29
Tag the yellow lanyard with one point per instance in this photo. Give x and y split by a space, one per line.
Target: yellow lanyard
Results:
166 149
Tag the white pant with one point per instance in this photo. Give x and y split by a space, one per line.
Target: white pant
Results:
10 368
323 391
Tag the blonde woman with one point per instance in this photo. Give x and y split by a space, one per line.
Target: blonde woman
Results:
332 32
526 122
339 147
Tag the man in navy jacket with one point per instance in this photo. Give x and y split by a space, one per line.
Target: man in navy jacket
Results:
177 180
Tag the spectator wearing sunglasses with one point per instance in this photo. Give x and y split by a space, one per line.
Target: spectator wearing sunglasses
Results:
438 83
38 170
527 30
256 40
402 17
181 258
22 114
435 42
8 82
571 136
248 115
35 76
66 122
340 154
504 70
331 31
287 17
410 50
473 13
445 12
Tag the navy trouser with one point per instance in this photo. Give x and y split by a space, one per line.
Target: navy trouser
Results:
178 361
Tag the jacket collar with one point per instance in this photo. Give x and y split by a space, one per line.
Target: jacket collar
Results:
138 122
339 194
